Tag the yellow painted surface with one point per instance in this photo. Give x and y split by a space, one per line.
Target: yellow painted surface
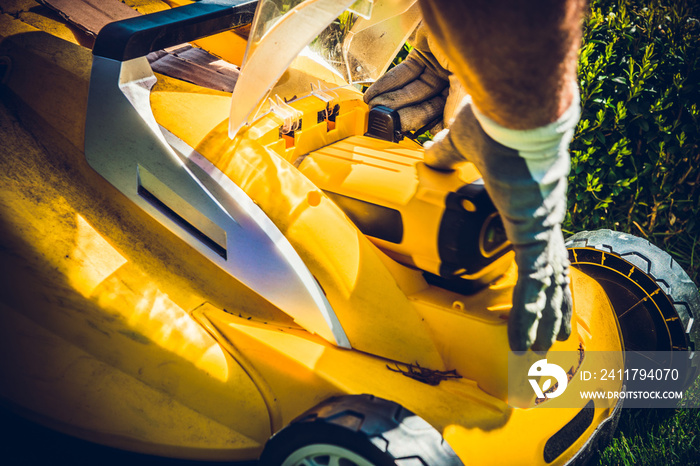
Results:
48 21
227 45
77 393
303 371
10 26
85 282
340 257
483 429
175 101
386 174
13 7
147 6
38 58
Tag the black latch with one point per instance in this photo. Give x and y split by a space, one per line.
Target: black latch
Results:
384 123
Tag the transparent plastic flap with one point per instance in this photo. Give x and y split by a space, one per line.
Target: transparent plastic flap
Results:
274 43
357 49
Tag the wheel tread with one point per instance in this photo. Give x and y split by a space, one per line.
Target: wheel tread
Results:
399 437
657 264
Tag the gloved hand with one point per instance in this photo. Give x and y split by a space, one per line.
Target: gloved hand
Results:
525 174
417 88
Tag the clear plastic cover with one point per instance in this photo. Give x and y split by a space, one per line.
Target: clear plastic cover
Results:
371 44
351 47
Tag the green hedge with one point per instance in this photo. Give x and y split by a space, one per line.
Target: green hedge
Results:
636 168
636 155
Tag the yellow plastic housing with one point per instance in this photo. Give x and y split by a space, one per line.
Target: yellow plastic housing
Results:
398 193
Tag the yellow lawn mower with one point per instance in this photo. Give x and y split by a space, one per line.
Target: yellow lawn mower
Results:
212 249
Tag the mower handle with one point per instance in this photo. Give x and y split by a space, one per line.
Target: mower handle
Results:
139 36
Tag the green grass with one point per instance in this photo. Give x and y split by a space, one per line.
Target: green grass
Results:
657 436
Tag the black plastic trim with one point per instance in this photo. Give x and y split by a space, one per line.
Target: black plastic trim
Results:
137 37
598 440
460 230
182 222
567 435
384 123
374 220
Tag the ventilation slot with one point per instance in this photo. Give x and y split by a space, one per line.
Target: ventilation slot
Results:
181 212
562 440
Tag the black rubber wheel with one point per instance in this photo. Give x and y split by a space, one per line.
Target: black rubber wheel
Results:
656 303
358 430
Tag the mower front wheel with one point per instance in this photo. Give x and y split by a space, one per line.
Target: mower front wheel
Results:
357 430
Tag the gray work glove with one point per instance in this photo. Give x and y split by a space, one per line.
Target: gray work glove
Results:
417 88
525 175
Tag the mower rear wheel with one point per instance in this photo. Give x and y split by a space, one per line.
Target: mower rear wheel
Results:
323 454
358 430
656 303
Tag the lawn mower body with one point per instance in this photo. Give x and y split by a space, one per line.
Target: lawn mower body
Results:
172 291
